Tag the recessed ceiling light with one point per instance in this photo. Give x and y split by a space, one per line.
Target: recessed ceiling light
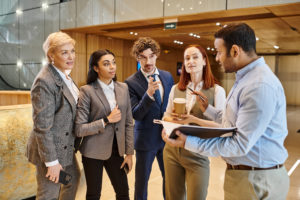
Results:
276 47
45 5
131 33
212 49
135 33
19 11
257 38
19 63
191 34
208 48
218 24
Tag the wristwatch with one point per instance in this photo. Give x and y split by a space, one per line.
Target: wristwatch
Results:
106 121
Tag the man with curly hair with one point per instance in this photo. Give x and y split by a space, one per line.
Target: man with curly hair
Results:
149 90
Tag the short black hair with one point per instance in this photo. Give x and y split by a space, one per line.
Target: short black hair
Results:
94 59
239 34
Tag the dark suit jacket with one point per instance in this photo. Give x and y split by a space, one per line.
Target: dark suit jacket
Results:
54 110
91 109
147 135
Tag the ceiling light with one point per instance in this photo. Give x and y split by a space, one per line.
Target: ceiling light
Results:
191 34
135 33
200 2
44 62
19 64
191 8
257 38
276 47
224 25
45 5
131 33
182 9
212 49
208 48
218 24
198 36
19 11
168 4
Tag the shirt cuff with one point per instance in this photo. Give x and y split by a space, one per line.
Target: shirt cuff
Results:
102 120
50 164
191 143
150 97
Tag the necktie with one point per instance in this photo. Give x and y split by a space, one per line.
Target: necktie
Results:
156 95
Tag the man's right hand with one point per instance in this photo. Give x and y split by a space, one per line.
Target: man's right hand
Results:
53 173
152 86
115 115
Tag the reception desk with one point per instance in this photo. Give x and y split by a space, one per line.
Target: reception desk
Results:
17 175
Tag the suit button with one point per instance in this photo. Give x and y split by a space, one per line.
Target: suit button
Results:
67 133
65 147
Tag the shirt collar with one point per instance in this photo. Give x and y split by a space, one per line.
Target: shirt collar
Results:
240 73
105 86
63 75
156 72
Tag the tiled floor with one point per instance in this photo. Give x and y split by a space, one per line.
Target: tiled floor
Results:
215 190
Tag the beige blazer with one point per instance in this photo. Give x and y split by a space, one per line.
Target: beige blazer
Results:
92 107
54 110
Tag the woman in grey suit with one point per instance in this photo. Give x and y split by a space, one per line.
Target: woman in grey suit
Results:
54 96
104 120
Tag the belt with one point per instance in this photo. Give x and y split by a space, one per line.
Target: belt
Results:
245 167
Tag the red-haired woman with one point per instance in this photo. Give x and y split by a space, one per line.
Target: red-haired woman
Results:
187 173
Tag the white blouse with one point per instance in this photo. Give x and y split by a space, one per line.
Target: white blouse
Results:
219 98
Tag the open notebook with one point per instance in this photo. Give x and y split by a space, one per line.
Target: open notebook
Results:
199 131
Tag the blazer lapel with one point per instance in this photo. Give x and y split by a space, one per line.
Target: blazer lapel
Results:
65 90
99 92
142 80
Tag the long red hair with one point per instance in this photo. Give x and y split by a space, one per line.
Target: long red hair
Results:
208 78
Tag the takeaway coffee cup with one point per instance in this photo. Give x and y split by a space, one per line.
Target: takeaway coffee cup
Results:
179 105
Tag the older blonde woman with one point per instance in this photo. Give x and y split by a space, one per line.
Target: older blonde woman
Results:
54 96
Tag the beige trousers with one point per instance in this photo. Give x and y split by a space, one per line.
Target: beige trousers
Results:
270 184
186 174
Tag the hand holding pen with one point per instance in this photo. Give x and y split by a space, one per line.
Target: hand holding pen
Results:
201 98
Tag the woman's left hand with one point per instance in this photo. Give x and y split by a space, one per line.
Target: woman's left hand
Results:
182 118
128 161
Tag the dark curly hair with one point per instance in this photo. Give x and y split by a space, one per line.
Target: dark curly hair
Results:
144 43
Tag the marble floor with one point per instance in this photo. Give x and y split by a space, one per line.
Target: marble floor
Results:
215 190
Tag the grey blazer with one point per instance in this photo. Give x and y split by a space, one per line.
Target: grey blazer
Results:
92 107
54 111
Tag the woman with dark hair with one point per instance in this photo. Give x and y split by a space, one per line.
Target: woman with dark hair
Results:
190 171
104 119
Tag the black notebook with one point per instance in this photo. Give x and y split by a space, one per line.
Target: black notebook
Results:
199 131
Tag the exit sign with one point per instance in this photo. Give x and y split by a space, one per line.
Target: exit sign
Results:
171 25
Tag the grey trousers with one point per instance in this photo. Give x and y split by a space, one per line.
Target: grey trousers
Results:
270 184
48 190
186 174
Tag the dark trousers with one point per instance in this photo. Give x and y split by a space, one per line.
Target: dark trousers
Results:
93 169
144 161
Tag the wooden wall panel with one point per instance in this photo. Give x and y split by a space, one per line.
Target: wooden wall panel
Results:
14 97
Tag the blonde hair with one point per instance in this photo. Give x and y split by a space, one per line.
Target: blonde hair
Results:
55 40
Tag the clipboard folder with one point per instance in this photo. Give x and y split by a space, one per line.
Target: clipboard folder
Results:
198 131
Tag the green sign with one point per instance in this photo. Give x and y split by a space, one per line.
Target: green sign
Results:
170 25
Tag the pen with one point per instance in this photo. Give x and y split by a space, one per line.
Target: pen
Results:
196 94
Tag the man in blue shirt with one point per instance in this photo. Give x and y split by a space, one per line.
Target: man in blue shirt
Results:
256 105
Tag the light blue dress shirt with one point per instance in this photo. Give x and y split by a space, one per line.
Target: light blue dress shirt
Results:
256 105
